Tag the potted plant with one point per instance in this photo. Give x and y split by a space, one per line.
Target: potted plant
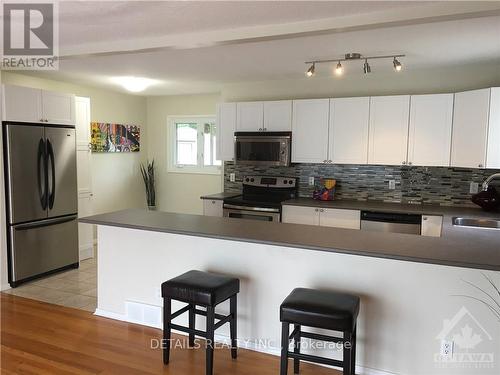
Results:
148 175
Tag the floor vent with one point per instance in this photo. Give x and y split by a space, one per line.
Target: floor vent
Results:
143 313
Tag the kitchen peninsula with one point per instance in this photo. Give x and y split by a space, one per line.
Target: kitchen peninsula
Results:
406 282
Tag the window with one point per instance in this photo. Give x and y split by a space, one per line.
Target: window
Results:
192 144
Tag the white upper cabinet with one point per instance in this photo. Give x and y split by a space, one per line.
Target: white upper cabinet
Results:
40 106
22 104
388 140
493 149
349 118
310 130
250 116
470 129
429 141
278 115
225 127
58 107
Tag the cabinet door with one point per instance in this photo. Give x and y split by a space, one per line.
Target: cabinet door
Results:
340 218
278 116
388 142
432 225
22 104
493 152
226 124
310 131
58 107
349 130
250 116
212 207
470 129
300 215
429 141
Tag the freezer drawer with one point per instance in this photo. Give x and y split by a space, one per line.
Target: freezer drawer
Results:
42 246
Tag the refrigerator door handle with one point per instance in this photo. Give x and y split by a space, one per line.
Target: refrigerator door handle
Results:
42 169
52 190
45 223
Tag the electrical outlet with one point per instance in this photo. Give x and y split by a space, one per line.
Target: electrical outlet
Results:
311 181
392 184
447 349
232 177
474 188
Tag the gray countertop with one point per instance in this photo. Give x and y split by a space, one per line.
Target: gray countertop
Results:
220 196
459 246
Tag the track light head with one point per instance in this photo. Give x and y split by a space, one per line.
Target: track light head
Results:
311 70
339 69
397 65
366 67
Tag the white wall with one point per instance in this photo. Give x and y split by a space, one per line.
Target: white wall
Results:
178 192
403 304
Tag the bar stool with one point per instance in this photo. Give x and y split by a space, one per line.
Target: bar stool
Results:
320 309
197 288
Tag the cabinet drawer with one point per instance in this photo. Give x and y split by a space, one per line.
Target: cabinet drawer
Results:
212 207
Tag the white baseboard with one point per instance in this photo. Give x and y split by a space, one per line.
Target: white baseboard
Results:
86 252
4 287
250 345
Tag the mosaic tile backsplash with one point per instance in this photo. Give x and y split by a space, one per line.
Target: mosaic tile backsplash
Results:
429 185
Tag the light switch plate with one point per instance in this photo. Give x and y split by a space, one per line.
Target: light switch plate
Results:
311 181
232 177
474 188
392 184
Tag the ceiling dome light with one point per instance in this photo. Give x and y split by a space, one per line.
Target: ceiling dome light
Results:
310 71
134 84
339 69
366 67
397 65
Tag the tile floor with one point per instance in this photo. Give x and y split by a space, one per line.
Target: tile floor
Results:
74 288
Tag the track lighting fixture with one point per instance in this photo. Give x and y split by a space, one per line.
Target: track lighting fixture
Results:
366 67
310 71
339 69
397 65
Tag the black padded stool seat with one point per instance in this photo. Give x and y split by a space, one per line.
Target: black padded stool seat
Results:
197 288
322 309
200 288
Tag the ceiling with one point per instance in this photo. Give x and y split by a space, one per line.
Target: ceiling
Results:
197 47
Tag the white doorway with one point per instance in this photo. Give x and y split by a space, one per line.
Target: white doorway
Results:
83 160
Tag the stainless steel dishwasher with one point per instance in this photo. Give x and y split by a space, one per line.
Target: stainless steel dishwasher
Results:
391 222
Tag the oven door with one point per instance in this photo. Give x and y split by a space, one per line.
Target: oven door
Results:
258 149
252 213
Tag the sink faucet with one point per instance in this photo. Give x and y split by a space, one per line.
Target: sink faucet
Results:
489 179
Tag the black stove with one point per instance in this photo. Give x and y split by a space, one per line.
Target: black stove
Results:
261 198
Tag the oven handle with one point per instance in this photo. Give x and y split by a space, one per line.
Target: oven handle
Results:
246 208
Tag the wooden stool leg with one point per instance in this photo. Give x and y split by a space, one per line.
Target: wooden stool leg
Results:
167 302
296 349
353 352
346 359
210 340
192 323
285 332
233 302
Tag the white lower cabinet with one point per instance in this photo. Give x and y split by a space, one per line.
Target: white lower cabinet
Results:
432 225
326 217
212 207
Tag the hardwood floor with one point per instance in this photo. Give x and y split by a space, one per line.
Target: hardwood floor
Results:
41 338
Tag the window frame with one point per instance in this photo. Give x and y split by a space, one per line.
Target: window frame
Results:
172 167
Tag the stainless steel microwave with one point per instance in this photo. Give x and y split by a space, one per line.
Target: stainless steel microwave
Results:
263 148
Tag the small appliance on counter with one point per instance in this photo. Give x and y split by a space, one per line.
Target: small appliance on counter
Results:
325 191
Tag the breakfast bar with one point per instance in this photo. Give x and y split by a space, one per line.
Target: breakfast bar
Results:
407 284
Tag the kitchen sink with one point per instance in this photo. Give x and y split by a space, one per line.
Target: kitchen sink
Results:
478 223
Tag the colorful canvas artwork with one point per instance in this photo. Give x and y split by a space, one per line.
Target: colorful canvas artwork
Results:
114 137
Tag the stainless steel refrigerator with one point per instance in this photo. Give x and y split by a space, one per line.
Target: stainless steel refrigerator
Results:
41 199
